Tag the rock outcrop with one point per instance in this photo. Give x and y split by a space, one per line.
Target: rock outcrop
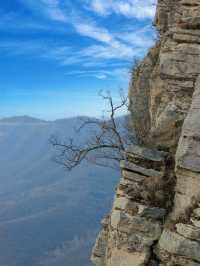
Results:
155 219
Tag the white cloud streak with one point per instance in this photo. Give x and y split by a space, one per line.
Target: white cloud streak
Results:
102 74
128 8
92 31
110 46
54 10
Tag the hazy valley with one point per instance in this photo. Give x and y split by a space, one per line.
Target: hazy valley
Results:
47 215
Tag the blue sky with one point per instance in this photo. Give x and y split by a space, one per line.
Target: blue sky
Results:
56 55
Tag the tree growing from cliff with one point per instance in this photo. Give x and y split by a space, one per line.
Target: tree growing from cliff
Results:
110 137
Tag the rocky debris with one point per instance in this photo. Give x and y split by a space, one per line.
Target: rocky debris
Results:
176 244
195 222
132 225
196 212
182 245
188 231
195 217
121 257
169 259
153 213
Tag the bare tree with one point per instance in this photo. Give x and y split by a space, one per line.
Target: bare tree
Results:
107 142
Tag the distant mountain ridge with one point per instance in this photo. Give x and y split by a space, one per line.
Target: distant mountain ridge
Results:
30 119
21 119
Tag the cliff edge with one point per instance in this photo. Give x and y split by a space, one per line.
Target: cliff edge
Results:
155 218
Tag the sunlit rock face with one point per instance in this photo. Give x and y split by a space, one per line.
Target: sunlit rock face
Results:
155 219
162 88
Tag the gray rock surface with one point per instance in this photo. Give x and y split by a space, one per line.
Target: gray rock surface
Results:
179 245
188 231
155 219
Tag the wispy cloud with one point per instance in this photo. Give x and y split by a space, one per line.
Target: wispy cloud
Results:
129 8
84 27
143 37
105 46
92 31
122 51
50 8
54 10
122 48
101 73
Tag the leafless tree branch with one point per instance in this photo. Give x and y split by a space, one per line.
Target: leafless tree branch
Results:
107 140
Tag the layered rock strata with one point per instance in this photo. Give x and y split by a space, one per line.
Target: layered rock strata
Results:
136 221
155 219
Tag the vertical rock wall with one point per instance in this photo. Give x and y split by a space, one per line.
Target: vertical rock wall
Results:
155 219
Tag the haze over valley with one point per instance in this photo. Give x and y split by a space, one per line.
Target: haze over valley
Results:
47 214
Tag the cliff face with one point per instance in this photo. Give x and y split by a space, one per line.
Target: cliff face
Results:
155 219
